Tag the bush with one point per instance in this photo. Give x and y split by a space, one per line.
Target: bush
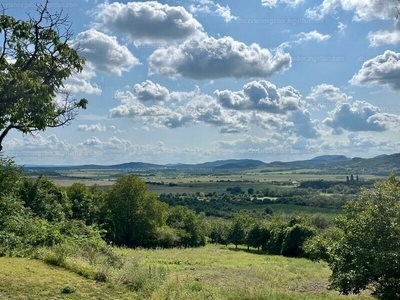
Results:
67 289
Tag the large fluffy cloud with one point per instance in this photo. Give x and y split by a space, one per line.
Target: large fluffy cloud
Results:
260 104
148 21
104 53
381 70
132 107
200 109
150 91
364 10
212 58
361 116
261 95
153 93
303 125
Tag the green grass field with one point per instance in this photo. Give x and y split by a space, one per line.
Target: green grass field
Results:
211 272
22 278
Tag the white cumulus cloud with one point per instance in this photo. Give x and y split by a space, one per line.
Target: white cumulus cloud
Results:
364 10
385 37
212 58
381 70
360 116
104 52
148 21
92 127
312 36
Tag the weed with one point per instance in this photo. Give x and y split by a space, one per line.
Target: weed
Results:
67 289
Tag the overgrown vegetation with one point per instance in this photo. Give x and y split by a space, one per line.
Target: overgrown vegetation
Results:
363 253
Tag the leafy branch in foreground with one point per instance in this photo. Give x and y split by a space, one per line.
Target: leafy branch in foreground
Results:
35 59
365 251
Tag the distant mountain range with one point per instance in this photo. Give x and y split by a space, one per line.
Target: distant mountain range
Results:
382 164
379 165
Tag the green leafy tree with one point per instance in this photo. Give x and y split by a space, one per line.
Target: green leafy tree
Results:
46 199
134 213
87 204
364 253
10 176
35 58
219 231
257 236
294 238
238 230
188 225
276 229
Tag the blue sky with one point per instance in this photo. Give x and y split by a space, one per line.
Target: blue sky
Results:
201 80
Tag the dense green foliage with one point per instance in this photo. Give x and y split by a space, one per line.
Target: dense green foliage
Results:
135 214
127 214
46 199
87 205
187 225
35 58
364 252
226 205
38 212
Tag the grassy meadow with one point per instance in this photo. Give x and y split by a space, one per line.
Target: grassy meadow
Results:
22 278
210 272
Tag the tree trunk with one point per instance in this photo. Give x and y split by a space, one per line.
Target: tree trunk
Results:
3 135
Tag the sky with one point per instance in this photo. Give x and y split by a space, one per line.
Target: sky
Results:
199 80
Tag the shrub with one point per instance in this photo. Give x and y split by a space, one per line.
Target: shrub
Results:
67 289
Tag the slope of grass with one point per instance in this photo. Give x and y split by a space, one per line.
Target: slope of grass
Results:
211 272
22 278
221 272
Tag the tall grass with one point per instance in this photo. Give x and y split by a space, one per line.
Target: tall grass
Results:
211 272
103 265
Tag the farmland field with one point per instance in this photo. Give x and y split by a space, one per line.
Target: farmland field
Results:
191 182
